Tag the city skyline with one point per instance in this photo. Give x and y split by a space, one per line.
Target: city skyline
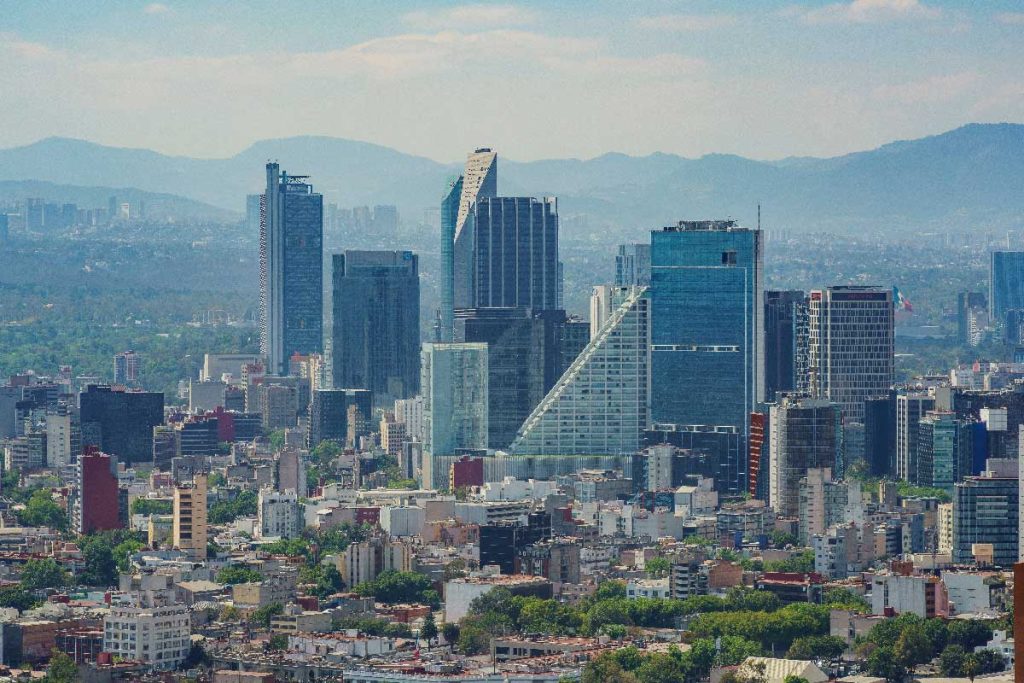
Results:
792 74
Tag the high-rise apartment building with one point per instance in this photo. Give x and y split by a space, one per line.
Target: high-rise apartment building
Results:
785 345
279 514
1005 284
968 307
126 369
850 347
95 506
943 450
707 336
291 269
148 624
910 408
455 393
375 324
599 404
803 434
120 422
190 519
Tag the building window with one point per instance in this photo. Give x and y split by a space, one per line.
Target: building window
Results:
728 258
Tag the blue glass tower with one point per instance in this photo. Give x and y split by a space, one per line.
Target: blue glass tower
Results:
1006 284
449 218
707 339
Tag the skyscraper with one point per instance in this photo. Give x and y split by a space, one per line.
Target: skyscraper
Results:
633 265
291 269
803 434
707 337
96 506
449 219
375 326
479 180
126 368
985 511
599 405
783 346
329 413
970 307
910 408
1005 284
524 360
121 422
454 388
850 348
515 253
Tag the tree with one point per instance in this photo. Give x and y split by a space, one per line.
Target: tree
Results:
61 669
815 647
278 641
968 633
152 506
450 632
429 630
236 573
987 661
792 678
100 566
17 597
913 647
394 587
41 510
263 615
844 598
735 650
227 511
951 661
658 566
46 573
884 664
605 668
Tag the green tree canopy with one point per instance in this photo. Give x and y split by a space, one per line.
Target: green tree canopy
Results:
45 573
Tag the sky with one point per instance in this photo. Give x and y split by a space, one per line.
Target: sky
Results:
576 78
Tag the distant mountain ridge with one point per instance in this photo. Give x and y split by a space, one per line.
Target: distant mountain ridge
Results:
969 178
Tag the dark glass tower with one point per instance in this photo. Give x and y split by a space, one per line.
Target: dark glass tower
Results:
782 313
121 423
515 247
375 325
1006 284
707 344
291 269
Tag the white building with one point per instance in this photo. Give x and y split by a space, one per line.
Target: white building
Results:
148 626
279 514
511 488
409 411
648 588
402 520
701 499
58 440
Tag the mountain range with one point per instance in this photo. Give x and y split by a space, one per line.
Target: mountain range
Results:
970 178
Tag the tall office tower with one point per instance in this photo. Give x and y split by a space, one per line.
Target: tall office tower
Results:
63 437
803 434
5 228
599 405
575 336
783 312
880 435
449 219
329 414
253 206
1005 284
850 350
454 388
515 253
707 336
968 307
633 265
190 520
943 450
126 369
95 507
120 422
479 181
986 511
291 269
910 408
524 360
410 412
375 324
33 213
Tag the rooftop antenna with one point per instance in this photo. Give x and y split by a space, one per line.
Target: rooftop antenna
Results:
759 215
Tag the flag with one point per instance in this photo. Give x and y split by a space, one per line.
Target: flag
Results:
901 302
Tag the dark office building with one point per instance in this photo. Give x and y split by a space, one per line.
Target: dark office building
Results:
721 455
515 253
330 411
575 336
966 302
880 435
200 436
121 422
376 323
501 543
291 269
783 312
524 360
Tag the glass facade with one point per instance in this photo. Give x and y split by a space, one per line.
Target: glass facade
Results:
599 405
803 435
291 269
449 216
707 362
1005 284
985 511
375 323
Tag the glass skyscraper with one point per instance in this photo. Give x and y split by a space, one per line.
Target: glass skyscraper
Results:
449 218
375 323
291 269
707 343
1005 284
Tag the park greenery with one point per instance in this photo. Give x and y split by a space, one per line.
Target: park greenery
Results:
229 509
396 587
152 506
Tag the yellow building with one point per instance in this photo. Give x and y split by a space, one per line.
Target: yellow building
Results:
190 527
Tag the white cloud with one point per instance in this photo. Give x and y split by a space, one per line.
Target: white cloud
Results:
156 8
869 11
1011 18
934 90
684 23
471 17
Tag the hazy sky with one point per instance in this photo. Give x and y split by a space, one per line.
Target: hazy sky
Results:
762 79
